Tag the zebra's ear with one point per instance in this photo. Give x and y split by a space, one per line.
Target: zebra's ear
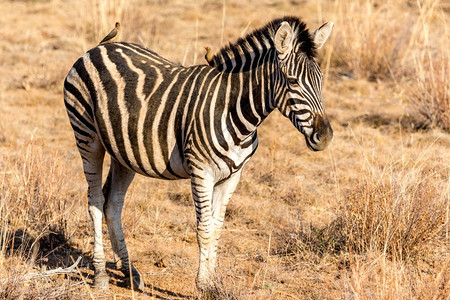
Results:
321 34
283 39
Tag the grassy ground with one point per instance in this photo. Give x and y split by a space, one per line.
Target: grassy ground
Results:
365 219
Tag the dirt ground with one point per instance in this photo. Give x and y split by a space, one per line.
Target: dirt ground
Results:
287 194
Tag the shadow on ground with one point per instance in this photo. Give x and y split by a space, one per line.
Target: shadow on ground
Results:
52 249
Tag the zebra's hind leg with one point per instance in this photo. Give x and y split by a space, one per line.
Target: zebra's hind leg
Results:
114 190
93 153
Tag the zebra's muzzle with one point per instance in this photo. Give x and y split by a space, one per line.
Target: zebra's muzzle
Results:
322 134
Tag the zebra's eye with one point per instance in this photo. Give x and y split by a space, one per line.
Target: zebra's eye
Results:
293 81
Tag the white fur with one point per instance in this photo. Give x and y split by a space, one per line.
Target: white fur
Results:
322 33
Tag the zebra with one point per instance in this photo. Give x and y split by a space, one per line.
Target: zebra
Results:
162 120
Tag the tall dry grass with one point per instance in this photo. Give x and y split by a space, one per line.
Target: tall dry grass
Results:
97 18
405 42
397 210
389 237
373 276
32 191
428 90
33 221
395 226
370 37
390 233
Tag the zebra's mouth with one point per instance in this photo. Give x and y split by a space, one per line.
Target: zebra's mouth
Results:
322 135
310 144
318 136
308 137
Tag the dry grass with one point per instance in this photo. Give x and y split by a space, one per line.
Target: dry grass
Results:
365 219
405 42
429 93
33 216
373 41
32 187
376 277
397 210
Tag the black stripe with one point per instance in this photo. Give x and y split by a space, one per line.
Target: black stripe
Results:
132 103
77 94
80 131
75 112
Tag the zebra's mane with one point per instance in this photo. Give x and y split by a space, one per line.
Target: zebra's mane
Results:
265 35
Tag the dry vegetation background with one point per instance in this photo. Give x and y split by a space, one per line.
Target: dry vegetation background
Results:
365 219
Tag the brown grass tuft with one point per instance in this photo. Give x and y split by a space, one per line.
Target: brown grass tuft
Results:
31 191
33 219
220 290
371 42
429 91
404 42
396 212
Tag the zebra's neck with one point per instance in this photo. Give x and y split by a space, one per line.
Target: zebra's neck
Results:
251 95
251 68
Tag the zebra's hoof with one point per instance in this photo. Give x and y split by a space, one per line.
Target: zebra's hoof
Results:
101 282
206 287
210 292
137 284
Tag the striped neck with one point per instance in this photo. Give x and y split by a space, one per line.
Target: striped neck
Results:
253 74
252 86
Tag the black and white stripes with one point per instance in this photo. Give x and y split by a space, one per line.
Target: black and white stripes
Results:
166 121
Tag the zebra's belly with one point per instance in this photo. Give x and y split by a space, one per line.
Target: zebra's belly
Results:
147 157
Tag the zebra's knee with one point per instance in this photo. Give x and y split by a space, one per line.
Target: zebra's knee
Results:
113 205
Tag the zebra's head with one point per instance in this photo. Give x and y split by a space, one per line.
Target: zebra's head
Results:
301 81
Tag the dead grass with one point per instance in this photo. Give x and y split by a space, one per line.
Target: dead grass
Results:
429 93
37 289
397 210
34 217
366 219
375 277
32 186
373 40
405 42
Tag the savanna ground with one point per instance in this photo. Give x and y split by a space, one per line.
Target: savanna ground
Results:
365 219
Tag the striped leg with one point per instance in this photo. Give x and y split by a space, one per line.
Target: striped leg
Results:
115 188
221 197
92 154
210 205
202 191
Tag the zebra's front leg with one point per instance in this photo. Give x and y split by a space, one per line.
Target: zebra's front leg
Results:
210 204
202 192
115 188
